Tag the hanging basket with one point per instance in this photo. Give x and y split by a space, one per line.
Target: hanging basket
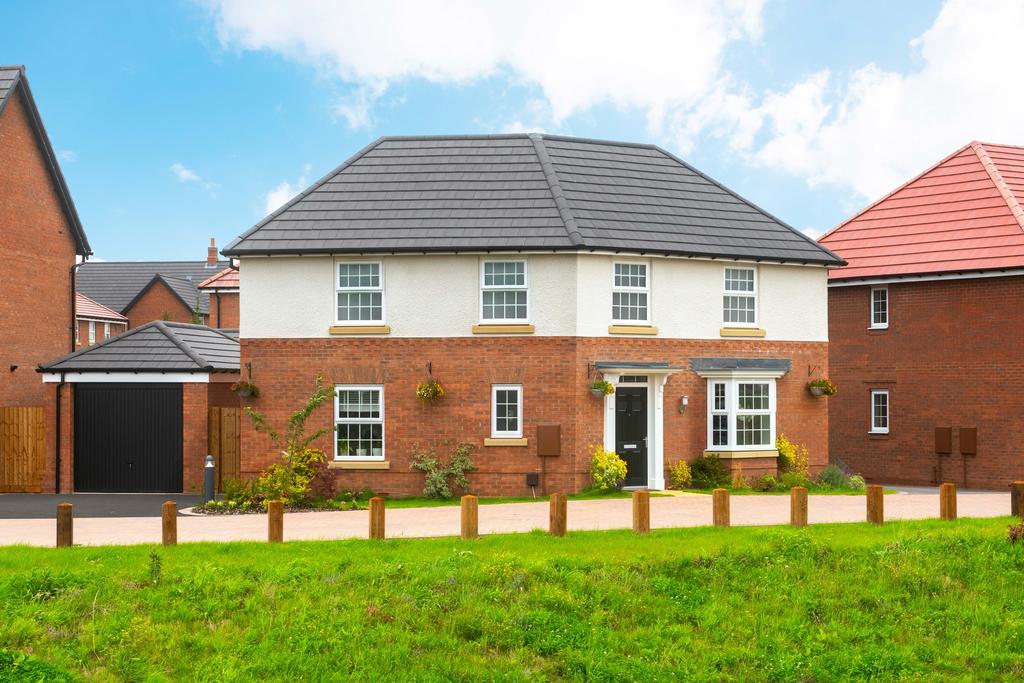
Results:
822 387
245 389
601 388
816 391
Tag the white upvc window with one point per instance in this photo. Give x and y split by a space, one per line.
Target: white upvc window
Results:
359 289
630 292
879 308
879 411
506 411
504 292
741 414
106 330
739 297
359 422
92 332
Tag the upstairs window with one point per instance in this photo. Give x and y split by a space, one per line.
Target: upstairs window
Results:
360 291
506 411
880 308
92 333
880 411
359 422
504 292
630 290
740 297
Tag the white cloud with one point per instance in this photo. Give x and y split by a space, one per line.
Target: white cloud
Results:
187 175
280 195
67 156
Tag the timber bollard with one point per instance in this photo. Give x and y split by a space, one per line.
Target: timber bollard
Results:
798 506
1017 499
470 517
720 507
377 518
641 511
558 515
947 501
275 522
169 516
876 505
65 525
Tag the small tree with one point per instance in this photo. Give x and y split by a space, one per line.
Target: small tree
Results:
295 439
197 316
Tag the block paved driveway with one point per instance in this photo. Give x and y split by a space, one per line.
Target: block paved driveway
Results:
128 519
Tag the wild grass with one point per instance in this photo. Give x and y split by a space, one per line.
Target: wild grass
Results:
908 600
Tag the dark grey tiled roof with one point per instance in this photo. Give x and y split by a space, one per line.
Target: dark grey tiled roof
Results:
158 346
704 364
517 192
115 284
13 79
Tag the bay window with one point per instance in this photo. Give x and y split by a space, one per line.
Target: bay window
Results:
359 422
741 414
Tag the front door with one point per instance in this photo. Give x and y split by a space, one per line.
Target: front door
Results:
631 432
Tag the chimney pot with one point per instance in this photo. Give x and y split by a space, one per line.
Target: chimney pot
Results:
211 253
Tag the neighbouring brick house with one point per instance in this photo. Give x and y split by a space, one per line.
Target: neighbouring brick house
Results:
222 290
41 238
95 322
924 326
516 270
144 291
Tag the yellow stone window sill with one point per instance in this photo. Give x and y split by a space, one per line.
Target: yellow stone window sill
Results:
359 465
507 442
360 329
503 329
632 329
742 332
739 455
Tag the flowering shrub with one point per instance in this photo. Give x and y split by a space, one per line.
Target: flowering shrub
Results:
607 469
680 476
602 386
430 390
792 456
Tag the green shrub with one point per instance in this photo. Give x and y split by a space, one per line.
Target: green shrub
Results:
680 476
792 456
788 480
709 472
764 483
856 482
607 469
236 490
832 477
439 475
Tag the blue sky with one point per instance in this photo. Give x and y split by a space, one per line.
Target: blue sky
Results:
178 121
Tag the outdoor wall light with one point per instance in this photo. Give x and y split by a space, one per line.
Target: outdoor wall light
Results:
683 402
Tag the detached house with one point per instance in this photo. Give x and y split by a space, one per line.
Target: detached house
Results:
516 270
924 325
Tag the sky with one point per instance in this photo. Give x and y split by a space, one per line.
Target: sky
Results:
183 120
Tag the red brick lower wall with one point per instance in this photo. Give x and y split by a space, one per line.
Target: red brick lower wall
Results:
554 375
952 357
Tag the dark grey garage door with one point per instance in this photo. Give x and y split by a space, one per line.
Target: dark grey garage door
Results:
128 438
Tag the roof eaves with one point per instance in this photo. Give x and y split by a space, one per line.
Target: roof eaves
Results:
997 178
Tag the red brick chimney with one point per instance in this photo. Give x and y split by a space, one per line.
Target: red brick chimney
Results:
211 253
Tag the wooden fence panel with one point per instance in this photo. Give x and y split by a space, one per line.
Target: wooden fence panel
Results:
22 446
225 442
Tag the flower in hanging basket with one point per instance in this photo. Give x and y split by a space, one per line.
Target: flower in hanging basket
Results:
822 387
430 390
601 388
245 389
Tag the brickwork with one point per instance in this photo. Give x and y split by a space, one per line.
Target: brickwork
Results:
116 328
195 425
224 310
154 304
951 357
554 375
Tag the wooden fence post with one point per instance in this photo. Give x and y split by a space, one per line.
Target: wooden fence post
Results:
1017 499
641 511
947 501
720 507
559 513
377 518
470 517
169 515
65 525
876 505
275 522
798 506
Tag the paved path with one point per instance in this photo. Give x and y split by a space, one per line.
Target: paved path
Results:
675 511
43 506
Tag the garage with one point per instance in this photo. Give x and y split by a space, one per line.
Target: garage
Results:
140 405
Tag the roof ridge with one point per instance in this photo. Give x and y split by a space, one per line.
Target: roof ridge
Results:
572 230
997 179
185 348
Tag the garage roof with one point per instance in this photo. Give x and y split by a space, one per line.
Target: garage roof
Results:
159 346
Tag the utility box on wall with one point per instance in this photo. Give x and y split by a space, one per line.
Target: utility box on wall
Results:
943 440
549 440
968 440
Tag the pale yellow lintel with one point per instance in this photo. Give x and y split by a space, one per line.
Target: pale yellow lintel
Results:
742 332
738 455
632 329
507 442
503 329
359 465
360 329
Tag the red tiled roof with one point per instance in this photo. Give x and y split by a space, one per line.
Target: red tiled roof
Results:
963 214
87 308
225 279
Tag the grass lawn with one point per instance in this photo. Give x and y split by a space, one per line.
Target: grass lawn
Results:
913 600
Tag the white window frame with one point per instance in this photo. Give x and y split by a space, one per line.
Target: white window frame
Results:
731 292
106 330
495 433
871 309
646 289
356 290
92 332
732 402
363 420
525 287
888 412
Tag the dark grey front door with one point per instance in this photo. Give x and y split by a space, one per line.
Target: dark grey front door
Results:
631 432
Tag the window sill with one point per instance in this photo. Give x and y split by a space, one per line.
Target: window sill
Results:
878 435
503 329
738 455
359 465
359 329
742 332
506 441
632 329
